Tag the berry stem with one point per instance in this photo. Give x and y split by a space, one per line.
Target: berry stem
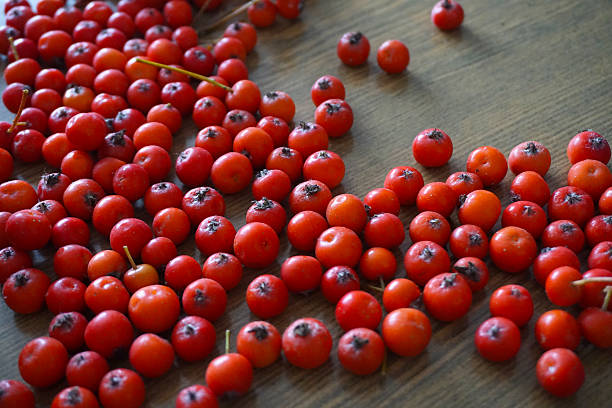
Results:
606 302
380 288
230 15
129 256
185 72
227 341
383 367
24 96
212 42
603 279
446 4
374 287
202 9
13 48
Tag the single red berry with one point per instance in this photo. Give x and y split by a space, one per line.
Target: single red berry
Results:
393 56
447 14
353 48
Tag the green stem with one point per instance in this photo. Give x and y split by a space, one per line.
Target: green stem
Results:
603 279
606 302
227 341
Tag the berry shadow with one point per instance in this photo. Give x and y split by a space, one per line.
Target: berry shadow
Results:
468 42
343 144
29 324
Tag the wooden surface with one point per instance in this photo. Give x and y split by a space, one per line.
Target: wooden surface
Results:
516 70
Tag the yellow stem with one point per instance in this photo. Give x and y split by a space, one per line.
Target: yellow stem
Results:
24 97
129 256
185 72
13 48
230 15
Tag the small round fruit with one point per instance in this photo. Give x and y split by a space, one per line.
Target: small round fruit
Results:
560 372
498 339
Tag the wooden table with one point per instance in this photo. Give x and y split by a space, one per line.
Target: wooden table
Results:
515 71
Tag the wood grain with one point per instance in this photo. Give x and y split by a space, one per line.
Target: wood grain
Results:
516 70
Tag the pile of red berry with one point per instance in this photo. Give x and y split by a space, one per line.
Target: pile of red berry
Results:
107 123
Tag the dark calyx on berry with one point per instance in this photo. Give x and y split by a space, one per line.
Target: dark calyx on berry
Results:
332 108
220 259
21 279
304 126
471 271
311 189
200 195
426 254
597 142
302 330
344 275
116 138
51 179
260 332
42 207
515 292
494 332
435 223
74 396
528 210
531 149
213 225
262 173
355 38
406 173
359 342
449 281
475 240
115 381
64 321
264 288
263 204
189 330
466 178
236 117
572 198
435 134
200 298
212 133
324 84
91 199
567 227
